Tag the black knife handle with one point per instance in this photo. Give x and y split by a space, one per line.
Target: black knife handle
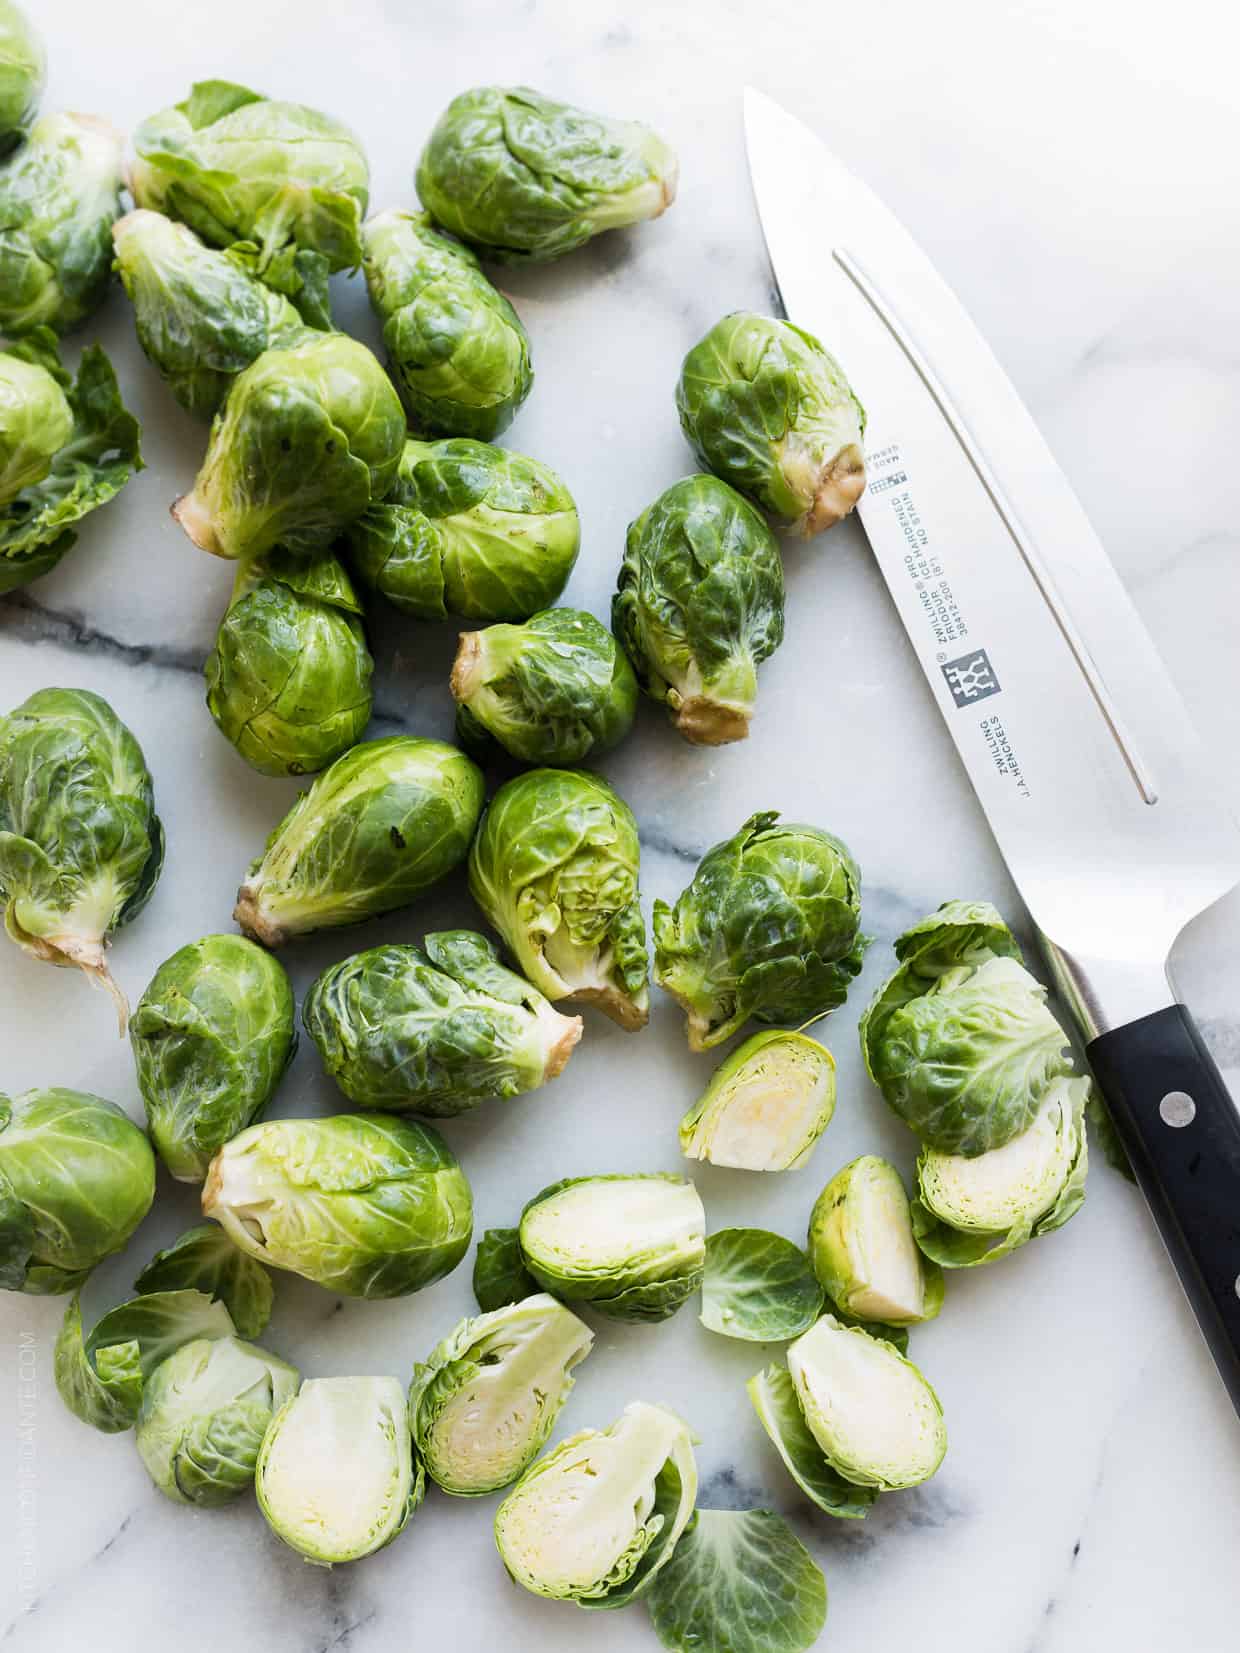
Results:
1181 1128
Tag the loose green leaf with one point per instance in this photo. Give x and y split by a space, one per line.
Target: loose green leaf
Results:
204 1259
500 1274
758 1287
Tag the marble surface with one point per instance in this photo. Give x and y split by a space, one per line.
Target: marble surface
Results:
1068 167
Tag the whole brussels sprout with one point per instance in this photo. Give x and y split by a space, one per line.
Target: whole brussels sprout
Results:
469 530
77 1176
59 196
699 606
435 1032
35 423
863 1251
367 1205
236 166
203 1416
204 1259
596 1518
554 868
23 69
81 846
526 179
553 691
384 823
766 1105
212 1037
288 681
459 354
766 408
769 927
311 434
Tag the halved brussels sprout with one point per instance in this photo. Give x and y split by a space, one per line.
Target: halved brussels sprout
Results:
758 1287
204 1259
766 408
385 822
459 354
23 69
486 1400
595 1519
769 928
863 1251
364 1204
77 1176
554 868
204 1413
699 606
81 846
435 1032
336 1476
779 1411
633 1246
35 423
766 1105
470 530
526 179
553 691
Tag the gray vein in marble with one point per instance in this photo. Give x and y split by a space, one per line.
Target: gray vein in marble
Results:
27 621
726 1489
34 1605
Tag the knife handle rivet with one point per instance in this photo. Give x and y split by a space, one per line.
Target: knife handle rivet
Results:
1177 1109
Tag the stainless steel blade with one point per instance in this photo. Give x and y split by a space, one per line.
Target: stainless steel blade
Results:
1080 750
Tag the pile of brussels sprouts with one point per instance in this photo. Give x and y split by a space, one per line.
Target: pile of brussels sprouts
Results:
326 475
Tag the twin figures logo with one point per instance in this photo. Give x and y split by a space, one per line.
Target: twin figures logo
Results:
971 678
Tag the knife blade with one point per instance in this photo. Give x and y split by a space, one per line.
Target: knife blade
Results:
1082 755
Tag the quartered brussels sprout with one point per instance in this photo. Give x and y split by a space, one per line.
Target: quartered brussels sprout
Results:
766 1105
469 530
863 1251
555 690
458 351
204 1413
288 681
311 434
385 822
977 1210
211 1036
204 1259
364 1204
236 166
486 1400
699 606
960 1040
336 1476
526 179
596 1518
632 1246
758 1287
81 846
59 196
435 1031
766 408
769 927
23 69
554 868
77 1176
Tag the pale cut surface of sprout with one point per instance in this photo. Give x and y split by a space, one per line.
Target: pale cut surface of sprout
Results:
599 1225
1009 1186
862 1245
766 1106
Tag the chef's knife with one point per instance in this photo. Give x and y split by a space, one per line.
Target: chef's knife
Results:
1082 755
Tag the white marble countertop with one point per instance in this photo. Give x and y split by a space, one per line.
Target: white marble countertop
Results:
1070 170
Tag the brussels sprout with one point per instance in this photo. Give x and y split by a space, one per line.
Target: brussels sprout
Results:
960 1040
468 530
77 1176
385 822
699 605
863 1251
458 351
779 1412
311 434
766 408
336 1476
236 166
203 1416
758 1287
435 1032
364 1204
554 868
81 846
500 1274
486 1400
526 179
555 691
595 1519
211 1036
55 471
59 195
766 1105
769 928
631 1245
23 69
204 1259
